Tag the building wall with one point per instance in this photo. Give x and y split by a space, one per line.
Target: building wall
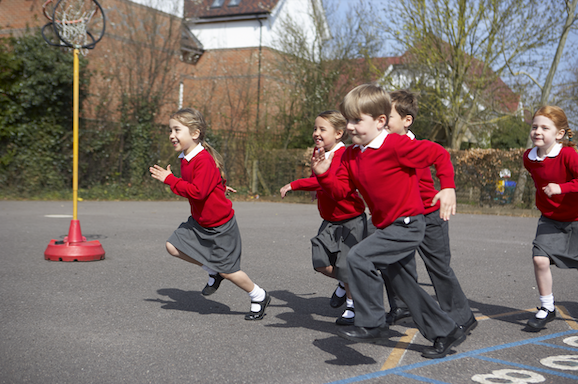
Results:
222 33
16 15
225 83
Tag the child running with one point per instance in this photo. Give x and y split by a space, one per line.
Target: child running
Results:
382 167
553 164
210 238
344 221
435 247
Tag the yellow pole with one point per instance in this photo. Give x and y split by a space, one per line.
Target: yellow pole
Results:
75 138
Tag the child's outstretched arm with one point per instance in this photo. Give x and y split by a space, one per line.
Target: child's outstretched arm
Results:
160 173
447 198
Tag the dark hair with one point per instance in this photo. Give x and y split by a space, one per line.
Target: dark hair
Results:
195 121
405 103
337 121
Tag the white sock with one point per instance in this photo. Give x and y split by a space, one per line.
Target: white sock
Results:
340 291
257 294
548 303
348 314
210 272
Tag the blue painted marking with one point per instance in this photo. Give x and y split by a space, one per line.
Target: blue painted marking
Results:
528 367
558 346
402 371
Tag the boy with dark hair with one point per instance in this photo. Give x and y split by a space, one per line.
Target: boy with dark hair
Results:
435 247
381 167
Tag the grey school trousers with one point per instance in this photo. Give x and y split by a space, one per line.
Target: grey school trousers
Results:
392 248
435 253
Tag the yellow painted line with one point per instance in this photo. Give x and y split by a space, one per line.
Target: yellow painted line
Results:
505 314
399 349
566 316
401 346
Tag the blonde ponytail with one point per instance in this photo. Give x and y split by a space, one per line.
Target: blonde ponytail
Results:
217 157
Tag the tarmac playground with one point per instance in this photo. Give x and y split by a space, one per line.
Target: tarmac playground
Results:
137 316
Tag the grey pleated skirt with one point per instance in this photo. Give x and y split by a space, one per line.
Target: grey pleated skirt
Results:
219 248
557 240
333 242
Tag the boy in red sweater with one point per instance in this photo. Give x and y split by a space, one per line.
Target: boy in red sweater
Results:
435 247
382 167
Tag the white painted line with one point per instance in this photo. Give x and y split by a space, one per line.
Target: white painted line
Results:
58 216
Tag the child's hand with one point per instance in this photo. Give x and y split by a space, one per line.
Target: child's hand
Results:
313 195
160 173
447 198
319 164
229 189
284 190
552 189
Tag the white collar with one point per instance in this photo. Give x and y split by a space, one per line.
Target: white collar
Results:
335 148
410 134
375 143
533 155
192 154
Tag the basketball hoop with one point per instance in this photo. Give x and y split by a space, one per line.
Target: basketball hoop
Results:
77 24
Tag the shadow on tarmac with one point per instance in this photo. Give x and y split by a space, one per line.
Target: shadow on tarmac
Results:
191 301
303 315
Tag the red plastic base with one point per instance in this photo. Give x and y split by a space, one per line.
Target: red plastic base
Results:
74 247
64 251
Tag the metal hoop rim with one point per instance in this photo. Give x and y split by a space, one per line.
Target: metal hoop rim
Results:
68 43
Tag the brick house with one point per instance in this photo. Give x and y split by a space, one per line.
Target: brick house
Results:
226 49
219 56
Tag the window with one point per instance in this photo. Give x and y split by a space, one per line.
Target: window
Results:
217 3
234 3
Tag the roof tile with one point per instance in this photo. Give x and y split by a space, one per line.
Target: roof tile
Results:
203 8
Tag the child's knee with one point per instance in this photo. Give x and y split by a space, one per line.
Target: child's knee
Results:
541 262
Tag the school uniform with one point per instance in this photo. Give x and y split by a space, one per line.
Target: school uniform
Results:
344 221
384 172
435 252
557 232
210 235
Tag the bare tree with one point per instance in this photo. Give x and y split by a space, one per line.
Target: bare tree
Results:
546 89
320 71
457 51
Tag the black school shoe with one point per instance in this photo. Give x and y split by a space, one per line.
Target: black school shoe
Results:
261 314
210 289
337 301
470 325
397 314
365 335
443 345
346 320
541 323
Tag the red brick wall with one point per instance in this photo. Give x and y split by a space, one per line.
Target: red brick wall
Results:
222 84
16 15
